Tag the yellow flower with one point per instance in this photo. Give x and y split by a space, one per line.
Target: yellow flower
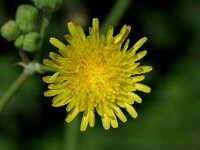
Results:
95 73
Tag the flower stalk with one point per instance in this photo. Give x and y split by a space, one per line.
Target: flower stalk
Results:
115 14
13 89
70 135
45 23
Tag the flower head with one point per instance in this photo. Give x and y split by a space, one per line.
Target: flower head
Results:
95 73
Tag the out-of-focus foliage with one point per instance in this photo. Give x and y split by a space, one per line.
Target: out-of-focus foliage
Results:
169 117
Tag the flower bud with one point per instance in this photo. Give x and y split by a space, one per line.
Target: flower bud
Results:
10 30
27 18
19 41
31 42
48 5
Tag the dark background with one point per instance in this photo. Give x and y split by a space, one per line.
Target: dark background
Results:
169 117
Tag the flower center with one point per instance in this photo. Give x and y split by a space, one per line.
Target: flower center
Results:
91 71
94 74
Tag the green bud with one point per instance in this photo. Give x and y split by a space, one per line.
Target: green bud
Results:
48 5
27 18
10 30
31 42
19 41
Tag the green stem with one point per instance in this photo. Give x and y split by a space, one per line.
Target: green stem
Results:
71 134
12 89
45 23
115 14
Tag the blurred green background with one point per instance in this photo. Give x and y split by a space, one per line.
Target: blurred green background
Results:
169 117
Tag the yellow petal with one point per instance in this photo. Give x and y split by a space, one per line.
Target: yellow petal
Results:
73 103
129 100
135 97
99 109
122 35
61 99
142 69
126 45
47 79
58 44
109 36
65 52
84 121
95 25
146 69
51 63
56 57
93 38
131 110
63 102
58 86
72 114
114 123
58 98
105 121
139 43
69 39
51 79
141 54
138 78
81 32
83 104
73 30
91 117
119 114
121 103
50 93
142 87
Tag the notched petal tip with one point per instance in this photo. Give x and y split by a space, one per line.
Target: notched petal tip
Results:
121 37
56 57
109 36
95 24
46 62
50 93
50 79
146 69
71 26
57 104
46 79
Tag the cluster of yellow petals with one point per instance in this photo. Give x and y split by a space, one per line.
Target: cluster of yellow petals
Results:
96 73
